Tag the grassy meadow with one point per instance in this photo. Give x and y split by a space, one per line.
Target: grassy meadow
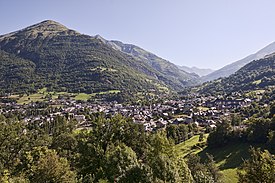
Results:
227 158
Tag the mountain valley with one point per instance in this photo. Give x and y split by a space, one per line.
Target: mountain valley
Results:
80 108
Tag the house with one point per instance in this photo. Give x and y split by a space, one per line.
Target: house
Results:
161 123
188 120
229 103
178 121
212 126
80 118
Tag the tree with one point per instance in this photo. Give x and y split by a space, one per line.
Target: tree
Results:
201 137
96 148
120 160
213 169
65 144
184 172
258 130
178 133
173 132
221 135
259 168
163 161
203 172
13 141
44 165
271 135
272 110
235 120
183 132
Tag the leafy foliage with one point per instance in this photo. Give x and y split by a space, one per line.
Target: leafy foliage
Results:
204 172
221 135
259 168
44 165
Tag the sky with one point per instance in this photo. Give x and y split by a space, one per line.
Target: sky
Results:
205 34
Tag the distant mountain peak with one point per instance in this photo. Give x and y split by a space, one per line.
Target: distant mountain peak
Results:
43 29
57 51
49 24
99 37
235 66
45 26
196 70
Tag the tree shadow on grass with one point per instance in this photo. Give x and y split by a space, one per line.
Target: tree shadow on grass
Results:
229 156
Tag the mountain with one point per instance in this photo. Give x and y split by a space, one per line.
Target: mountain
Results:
196 70
14 71
232 68
173 75
257 74
62 59
65 60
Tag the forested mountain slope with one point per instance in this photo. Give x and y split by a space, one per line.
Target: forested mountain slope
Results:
173 76
257 74
65 60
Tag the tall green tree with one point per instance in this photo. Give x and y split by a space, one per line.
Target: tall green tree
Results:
260 168
44 165
13 142
272 110
165 164
258 130
221 135
120 160
206 172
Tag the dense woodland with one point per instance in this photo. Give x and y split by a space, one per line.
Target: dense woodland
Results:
113 150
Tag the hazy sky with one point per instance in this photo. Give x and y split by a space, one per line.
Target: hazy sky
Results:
202 33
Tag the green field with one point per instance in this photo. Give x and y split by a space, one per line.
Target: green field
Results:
257 82
203 108
254 93
31 98
42 93
190 146
82 96
228 158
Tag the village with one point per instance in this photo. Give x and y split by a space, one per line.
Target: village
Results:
198 110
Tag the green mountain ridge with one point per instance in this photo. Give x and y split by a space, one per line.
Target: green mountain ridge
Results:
235 66
15 71
169 72
65 60
196 70
257 74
